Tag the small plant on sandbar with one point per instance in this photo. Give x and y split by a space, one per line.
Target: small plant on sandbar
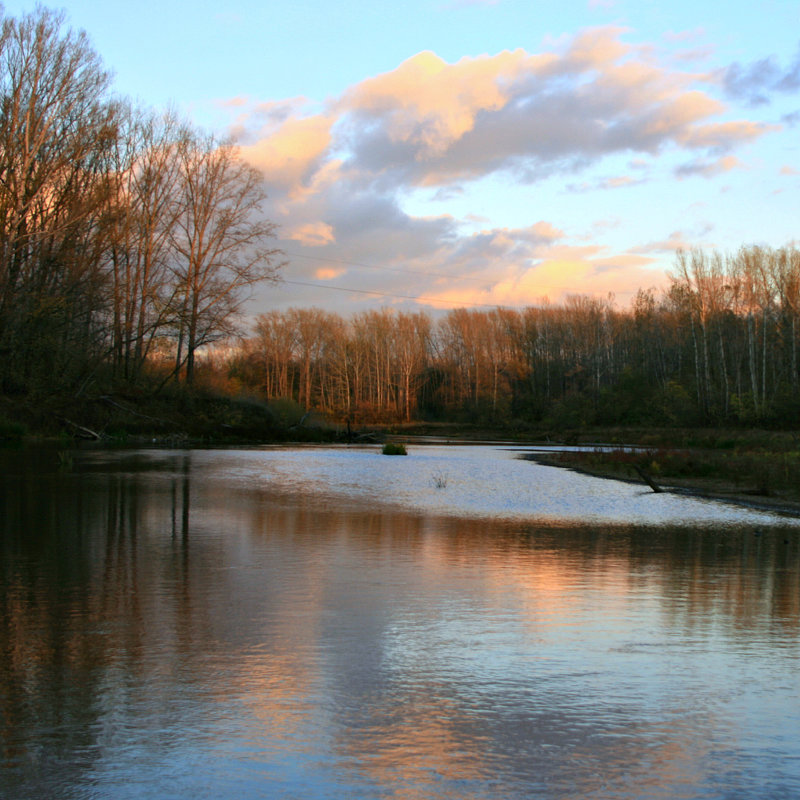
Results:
394 449
439 480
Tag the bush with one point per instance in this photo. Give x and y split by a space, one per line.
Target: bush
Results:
394 449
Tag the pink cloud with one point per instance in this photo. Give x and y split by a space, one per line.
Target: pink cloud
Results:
709 168
677 240
433 123
725 135
288 155
312 234
339 175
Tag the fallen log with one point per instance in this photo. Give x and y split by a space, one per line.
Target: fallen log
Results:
648 480
84 432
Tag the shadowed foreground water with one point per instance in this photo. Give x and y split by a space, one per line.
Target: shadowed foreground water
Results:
224 624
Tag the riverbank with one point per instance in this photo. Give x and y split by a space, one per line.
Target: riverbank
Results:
704 474
750 467
174 416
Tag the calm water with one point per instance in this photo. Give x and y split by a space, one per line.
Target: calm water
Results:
328 623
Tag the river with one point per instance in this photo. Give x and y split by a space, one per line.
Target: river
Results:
327 622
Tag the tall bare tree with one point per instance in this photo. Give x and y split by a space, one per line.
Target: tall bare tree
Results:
143 210
221 239
56 130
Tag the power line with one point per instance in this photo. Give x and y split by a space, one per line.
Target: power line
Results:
402 270
394 296
405 271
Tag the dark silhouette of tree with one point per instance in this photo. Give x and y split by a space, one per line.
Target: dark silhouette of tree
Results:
57 130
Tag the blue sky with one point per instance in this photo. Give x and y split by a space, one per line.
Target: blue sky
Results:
482 153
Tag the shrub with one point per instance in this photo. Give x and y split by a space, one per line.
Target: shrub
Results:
394 449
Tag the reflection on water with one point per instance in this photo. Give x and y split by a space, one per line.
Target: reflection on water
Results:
174 625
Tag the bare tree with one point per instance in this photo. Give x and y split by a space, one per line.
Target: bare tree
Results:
412 334
56 130
142 211
221 239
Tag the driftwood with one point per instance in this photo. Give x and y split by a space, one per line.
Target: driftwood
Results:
648 480
110 401
86 433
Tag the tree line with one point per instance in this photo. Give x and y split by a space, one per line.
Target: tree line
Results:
719 345
121 228
126 234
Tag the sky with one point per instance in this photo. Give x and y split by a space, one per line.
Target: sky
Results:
476 153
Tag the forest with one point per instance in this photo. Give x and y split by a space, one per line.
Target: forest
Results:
122 229
719 346
129 241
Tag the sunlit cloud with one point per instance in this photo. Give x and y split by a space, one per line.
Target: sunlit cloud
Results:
722 136
604 184
340 174
677 240
432 123
328 273
290 155
233 102
312 234
709 168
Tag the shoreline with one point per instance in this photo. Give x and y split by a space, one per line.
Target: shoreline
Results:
688 487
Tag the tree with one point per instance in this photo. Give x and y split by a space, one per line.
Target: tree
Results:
57 127
142 215
412 334
220 238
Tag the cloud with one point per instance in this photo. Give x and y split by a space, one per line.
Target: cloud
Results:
493 266
234 102
723 136
312 234
756 82
430 123
433 123
677 240
708 168
605 184
289 155
787 170
341 174
328 273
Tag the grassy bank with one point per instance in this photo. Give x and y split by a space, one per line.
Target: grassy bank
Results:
174 417
754 467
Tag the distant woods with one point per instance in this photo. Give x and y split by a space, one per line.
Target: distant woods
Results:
122 231
719 346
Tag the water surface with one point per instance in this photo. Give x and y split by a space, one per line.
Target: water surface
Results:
328 622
